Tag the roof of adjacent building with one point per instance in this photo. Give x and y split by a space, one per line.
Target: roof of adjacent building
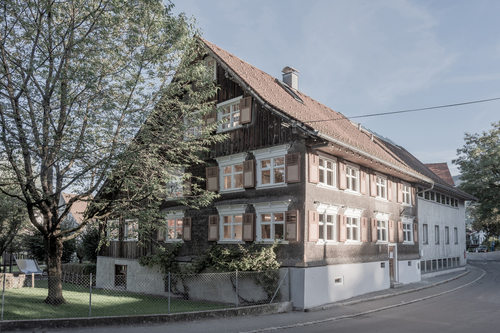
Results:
441 169
77 208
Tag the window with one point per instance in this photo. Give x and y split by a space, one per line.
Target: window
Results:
174 226
326 172
407 232
456 202
426 195
446 235
381 187
406 194
436 234
193 124
438 198
352 175
456 235
231 222
420 194
382 230
270 220
130 230
271 166
448 201
425 234
175 184
433 196
211 66
232 176
327 227
113 229
229 114
352 229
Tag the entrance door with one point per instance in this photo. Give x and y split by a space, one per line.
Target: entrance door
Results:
392 263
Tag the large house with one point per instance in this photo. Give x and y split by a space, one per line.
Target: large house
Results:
344 200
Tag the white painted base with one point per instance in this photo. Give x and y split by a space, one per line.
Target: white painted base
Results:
441 272
408 271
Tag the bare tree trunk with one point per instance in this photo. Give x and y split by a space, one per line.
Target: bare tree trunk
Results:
54 250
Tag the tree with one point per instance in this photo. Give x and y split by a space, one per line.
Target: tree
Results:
88 104
479 164
89 243
12 218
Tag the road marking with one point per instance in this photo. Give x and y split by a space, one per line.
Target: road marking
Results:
316 322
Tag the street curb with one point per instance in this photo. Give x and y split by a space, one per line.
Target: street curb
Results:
374 298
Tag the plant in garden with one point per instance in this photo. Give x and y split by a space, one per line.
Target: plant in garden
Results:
88 104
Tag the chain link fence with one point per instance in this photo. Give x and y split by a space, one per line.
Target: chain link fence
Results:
121 295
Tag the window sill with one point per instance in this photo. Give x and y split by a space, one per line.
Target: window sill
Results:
228 129
232 190
352 192
230 241
262 187
408 243
348 242
329 187
381 199
407 205
270 241
381 243
169 241
321 242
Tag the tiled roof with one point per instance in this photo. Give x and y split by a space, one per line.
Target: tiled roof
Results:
78 207
441 169
317 117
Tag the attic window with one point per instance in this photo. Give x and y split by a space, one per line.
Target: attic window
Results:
290 91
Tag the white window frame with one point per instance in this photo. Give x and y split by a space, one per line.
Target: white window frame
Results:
206 62
406 194
326 171
266 154
425 234
275 207
349 178
175 215
220 116
382 217
230 210
113 225
196 129
230 161
381 183
127 229
175 185
353 214
408 236
325 210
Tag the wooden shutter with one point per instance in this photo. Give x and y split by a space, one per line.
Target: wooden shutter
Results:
248 227
213 228
391 231
342 219
342 176
186 228
415 232
364 229
373 185
374 230
389 190
246 110
313 226
292 225
413 198
292 168
400 192
211 117
313 168
212 178
400 232
362 182
160 234
249 174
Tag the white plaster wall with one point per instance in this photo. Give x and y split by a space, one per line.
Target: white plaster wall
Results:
409 271
319 287
432 214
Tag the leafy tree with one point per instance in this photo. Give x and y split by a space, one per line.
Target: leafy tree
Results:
12 218
89 243
33 243
88 104
479 163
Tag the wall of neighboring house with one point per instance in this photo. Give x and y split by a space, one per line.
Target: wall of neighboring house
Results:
442 230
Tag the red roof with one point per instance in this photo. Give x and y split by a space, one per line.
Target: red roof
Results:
441 169
77 208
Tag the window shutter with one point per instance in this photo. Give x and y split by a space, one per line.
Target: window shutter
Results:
313 226
292 225
415 232
412 199
342 228
248 227
213 228
391 231
246 110
373 185
374 230
389 190
400 232
364 229
313 168
160 236
400 192
211 117
362 182
212 178
249 174
292 168
187 187
342 176
186 228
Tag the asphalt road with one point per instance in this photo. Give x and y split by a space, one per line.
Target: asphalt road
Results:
467 304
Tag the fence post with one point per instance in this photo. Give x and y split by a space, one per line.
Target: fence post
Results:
169 292
32 280
90 297
289 286
236 288
3 294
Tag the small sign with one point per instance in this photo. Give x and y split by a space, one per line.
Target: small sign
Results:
391 255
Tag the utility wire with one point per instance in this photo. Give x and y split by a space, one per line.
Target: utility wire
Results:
405 111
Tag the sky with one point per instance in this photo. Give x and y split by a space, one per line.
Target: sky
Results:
366 57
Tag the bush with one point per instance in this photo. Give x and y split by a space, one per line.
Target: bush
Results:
80 269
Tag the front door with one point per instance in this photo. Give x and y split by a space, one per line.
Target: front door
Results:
392 263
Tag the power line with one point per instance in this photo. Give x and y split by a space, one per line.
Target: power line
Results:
405 111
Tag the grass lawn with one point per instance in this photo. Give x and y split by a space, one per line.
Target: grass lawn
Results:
27 303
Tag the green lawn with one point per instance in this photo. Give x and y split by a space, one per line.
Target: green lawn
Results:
27 303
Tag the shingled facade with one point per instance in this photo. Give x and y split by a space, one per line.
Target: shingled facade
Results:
342 199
